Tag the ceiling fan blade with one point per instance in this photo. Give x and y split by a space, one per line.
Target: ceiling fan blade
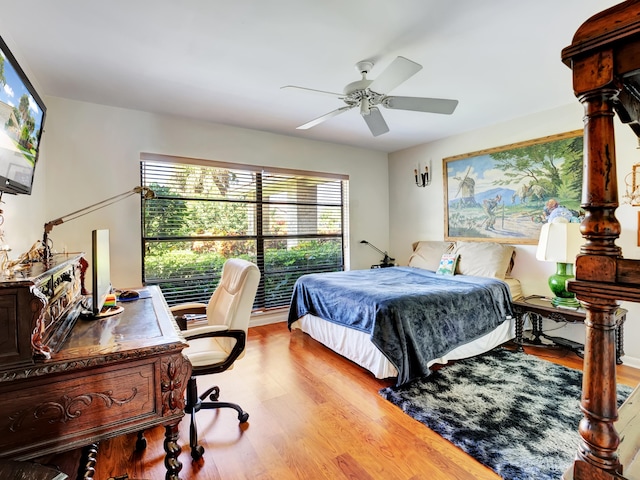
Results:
333 94
324 117
400 70
376 123
421 104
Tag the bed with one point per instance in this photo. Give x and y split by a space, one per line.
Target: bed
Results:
399 321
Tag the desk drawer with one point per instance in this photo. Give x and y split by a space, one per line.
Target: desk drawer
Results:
42 412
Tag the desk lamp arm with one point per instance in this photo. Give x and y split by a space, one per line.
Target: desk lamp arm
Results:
146 192
387 260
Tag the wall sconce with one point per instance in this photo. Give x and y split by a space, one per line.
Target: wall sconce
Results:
632 187
422 173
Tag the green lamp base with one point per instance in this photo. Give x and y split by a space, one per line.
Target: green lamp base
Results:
558 285
565 302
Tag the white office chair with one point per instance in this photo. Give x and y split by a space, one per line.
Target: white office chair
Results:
214 347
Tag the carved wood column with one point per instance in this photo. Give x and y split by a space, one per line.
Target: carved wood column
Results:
604 58
600 227
597 262
599 439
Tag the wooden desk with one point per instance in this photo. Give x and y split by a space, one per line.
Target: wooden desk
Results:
112 376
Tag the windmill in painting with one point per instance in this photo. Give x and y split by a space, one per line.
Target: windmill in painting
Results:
466 190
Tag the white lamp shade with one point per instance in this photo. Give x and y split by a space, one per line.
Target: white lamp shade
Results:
559 242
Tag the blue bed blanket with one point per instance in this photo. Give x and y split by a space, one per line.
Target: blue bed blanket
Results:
413 316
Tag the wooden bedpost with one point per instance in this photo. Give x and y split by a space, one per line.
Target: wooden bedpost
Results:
604 57
600 228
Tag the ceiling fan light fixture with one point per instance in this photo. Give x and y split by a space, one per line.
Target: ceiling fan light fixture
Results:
364 107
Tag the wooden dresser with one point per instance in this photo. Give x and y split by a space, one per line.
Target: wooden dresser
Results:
109 377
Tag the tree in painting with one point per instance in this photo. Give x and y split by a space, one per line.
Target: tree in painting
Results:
549 169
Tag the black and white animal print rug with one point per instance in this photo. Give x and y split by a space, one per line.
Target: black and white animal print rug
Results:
515 413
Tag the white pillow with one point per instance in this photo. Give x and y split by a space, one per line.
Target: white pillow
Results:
484 259
427 254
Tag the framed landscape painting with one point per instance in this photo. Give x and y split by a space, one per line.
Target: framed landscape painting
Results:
506 194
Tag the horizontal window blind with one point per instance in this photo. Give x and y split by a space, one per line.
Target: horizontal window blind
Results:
289 223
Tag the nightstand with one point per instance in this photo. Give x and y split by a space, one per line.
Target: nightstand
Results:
537 307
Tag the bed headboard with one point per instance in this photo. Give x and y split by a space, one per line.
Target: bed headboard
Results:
481 259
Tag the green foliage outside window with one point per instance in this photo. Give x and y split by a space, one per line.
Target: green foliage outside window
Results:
202 216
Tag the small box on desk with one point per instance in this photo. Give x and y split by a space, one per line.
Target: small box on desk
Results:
110 300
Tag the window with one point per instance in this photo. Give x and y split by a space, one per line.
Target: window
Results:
289 223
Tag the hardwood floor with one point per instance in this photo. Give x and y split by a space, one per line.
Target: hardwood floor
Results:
313 415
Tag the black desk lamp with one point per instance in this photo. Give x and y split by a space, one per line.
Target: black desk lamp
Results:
387 261
147 193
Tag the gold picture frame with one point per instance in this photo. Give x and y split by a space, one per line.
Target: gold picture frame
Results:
635 185
505 194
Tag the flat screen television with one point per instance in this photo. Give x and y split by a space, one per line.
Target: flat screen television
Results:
22 114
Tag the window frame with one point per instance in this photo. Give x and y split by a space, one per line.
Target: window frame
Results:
260 236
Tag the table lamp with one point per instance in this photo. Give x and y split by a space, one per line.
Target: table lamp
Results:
387 261
560 242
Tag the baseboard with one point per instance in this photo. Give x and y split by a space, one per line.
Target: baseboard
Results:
631 361
267 318
575 333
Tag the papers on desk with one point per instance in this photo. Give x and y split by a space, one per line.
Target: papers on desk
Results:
144 293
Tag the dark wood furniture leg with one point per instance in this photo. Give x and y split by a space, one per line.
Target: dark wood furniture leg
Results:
536 324
172 450
87 469
519 329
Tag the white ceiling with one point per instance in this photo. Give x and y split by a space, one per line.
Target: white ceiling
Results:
225 61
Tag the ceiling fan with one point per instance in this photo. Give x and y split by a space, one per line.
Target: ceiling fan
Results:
369 94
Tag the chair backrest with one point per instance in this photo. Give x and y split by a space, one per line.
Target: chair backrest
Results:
232 301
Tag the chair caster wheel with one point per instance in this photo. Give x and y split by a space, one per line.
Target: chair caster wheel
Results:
197 452
243 417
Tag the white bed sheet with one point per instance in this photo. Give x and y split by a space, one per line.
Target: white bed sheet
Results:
357 347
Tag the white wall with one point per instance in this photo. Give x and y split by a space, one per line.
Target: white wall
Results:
92 152
418 213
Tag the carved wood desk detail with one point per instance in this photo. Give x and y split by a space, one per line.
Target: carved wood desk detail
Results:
112 376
